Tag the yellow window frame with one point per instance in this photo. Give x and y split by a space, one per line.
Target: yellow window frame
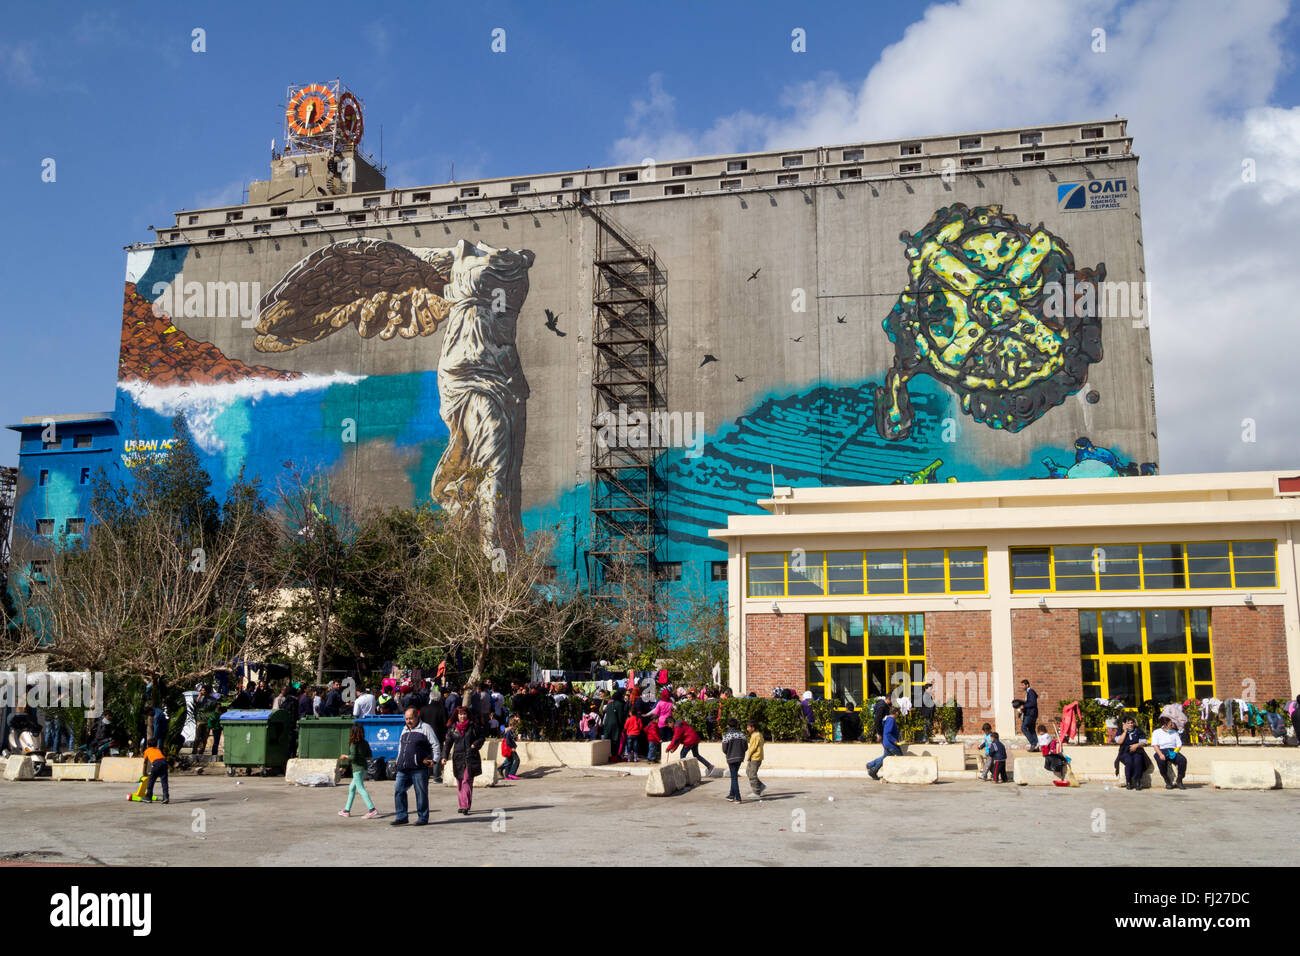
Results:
866 592
1145 659
1141 565
907 658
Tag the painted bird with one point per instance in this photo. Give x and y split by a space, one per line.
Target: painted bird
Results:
799 339
551 319
738 377
755 274
707 359
841 319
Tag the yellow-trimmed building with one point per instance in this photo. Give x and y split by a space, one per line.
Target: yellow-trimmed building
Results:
1156 587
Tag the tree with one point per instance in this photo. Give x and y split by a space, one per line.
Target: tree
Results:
160 585
457 591
318 532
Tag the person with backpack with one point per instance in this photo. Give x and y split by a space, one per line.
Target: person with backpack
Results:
358 756
510 750
734 746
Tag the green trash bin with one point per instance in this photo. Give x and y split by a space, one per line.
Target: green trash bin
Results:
323 738
256 740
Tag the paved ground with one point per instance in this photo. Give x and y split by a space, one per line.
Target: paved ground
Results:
578 817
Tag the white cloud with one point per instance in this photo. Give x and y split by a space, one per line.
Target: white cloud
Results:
1194 79
18 65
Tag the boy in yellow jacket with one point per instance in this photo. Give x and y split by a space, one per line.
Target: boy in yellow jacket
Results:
754 759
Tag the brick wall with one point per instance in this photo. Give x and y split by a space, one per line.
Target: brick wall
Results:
958 648
775 653
1045 651
1249 644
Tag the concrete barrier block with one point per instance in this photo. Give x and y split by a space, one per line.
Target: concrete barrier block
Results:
665 779
20 767
1243 775
121 769
1030 772
1288 773
301 766
692 768
911 770
74 771
488 778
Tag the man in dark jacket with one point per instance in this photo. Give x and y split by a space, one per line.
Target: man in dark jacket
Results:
1029 715
878 715
262 697
333 701
415 756
433 714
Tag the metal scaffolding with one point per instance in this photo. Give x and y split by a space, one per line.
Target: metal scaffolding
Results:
8 491
629 292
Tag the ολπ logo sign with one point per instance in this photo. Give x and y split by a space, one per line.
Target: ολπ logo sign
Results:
1071 196
382 734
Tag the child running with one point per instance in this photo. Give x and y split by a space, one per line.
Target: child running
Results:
358 756
510 750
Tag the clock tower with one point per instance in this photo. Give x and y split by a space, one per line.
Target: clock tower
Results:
323 126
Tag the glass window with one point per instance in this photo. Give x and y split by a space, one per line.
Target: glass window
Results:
1207 565
1168 680
884 572
1202 668
966 569
816 645
1121 632
925 571
1117 567
846 683
877 678
1091 670
1162 567
1166 632
1088 633
916 635
1254 564
1075 568
844 635
807 573
766 574
1124 679
1200 630
885 635
1031 569
816 672
844 572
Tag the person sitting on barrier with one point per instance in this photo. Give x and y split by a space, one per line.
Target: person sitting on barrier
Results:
1167 744
1050 746
889 738
1131 742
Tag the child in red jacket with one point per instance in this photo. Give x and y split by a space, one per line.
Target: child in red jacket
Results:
652 738
685 736
631 731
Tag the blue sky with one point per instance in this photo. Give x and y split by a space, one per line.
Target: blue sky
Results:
140 126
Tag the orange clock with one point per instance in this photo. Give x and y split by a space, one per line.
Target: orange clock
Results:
311 111
351 124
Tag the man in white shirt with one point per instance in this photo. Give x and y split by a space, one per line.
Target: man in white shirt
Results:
1167 744
364 705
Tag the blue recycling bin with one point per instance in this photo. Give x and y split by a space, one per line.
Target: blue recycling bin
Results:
382 733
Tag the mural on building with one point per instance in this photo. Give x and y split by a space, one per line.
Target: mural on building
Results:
386 289
972 317
971 343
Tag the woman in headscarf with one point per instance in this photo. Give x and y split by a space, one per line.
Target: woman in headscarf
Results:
615 715
806 706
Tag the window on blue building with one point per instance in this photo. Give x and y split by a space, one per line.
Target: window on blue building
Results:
45 476
76 526
45 526
81 441
85 476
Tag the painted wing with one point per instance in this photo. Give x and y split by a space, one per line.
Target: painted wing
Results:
380 287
